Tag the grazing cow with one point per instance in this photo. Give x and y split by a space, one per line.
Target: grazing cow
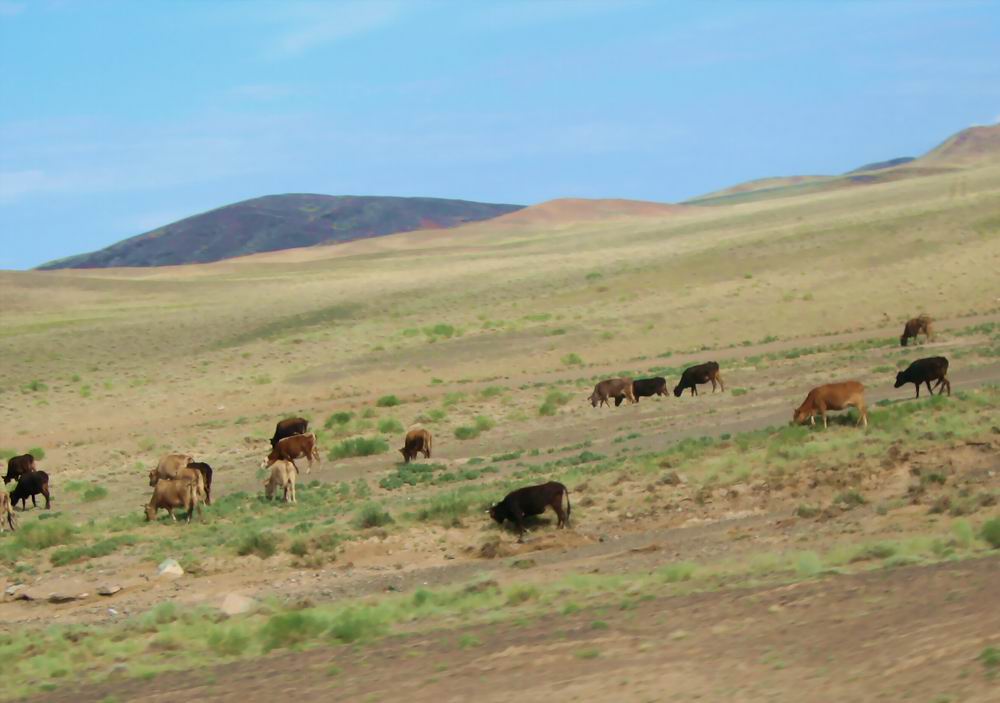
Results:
18 465
702 373
206 475
416 442
170 494
611 388
915 326
289 427
934 368
645 388
29 486
6 512
292 448
283 475
532 500
187 474
832 396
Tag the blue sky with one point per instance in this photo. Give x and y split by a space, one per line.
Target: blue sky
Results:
117 117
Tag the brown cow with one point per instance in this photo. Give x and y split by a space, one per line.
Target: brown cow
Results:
417 441
283 475
611 388
532 500
18 465
915 326
832 396
6 512
172 493
292 448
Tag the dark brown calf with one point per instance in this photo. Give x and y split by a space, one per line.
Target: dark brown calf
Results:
289 427
702 373
915 326
532 500
934 368
17 466
416 442
29 486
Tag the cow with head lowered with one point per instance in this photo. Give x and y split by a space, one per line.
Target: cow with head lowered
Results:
291 448
532 500
417 441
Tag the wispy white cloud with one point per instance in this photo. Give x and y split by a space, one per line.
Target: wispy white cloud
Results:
305 26
9 9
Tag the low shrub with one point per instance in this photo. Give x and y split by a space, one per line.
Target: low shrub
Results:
263 544
390 425
358 446
338 418
387 401
991 532
372 515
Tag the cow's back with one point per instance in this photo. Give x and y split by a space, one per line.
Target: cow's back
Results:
837 396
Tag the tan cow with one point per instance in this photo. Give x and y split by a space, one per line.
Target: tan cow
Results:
170 464
611 388
193 475
417 441
170 494
6 512
283 475
832 396
292 448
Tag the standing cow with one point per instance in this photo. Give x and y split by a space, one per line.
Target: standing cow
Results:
289 427
417 441
532 500
934 368
917 325
611 388
292 448
17 466
30 485
702 373
6 512
832 396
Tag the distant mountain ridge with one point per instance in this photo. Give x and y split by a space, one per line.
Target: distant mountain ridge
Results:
274 222
969 148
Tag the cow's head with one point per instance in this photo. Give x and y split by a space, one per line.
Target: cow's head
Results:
269 489
498 512
153 478
150 512
903 340
900 380
594 399
678 389
800 416
406 455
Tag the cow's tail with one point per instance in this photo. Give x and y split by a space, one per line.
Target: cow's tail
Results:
569 508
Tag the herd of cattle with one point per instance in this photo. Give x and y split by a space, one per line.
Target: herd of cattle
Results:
180 482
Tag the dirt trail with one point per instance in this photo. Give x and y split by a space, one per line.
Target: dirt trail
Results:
909 633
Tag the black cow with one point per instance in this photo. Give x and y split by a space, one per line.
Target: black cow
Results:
29 486
532 500
206 473
288 427
934 368
18 465
702 373
645 388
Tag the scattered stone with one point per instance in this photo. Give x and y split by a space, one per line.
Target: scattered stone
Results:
112 612
66 597
671 478
11 590
169 567
108 589
481 586
236 604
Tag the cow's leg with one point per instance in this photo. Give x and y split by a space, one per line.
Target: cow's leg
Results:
560 514
694 390
929 389
945 383
918 389
863 420
722 384
170 512
45 492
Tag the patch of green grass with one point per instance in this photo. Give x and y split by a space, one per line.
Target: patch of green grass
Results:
387 401
587 653
34 386
991 532
739 391
441 330
447 508
104 547
263 544
808 564
492 391
850 499
338 418
292 629
990 659
572 359
390 425
372 515
37 452
677 572
94 493
358 446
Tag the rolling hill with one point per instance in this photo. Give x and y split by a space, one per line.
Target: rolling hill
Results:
276 222
972 147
